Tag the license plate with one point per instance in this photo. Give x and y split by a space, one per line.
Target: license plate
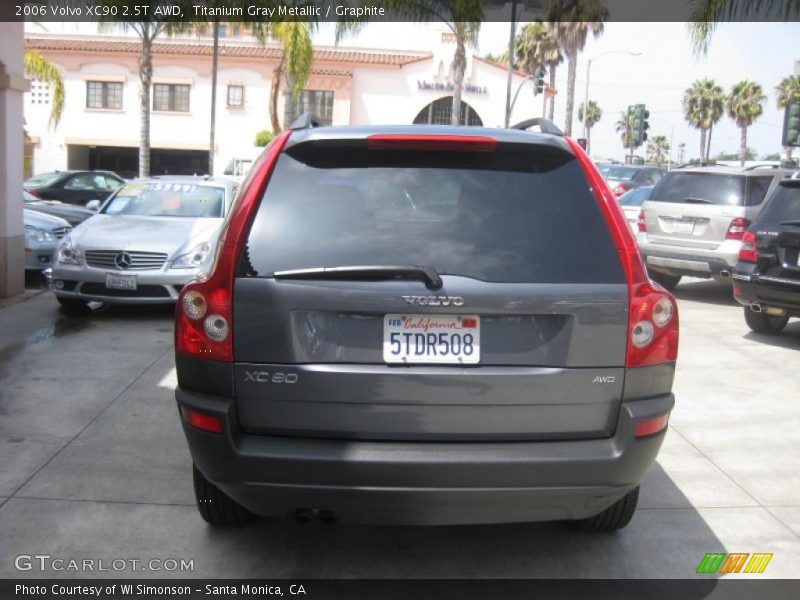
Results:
682 227
432 339
120 282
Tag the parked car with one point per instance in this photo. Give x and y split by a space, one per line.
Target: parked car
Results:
694 219
631 204
74 215
42 233
622 178
148 240
766 279
402 327
73 187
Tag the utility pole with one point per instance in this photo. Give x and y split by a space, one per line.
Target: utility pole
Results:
512 34
215 61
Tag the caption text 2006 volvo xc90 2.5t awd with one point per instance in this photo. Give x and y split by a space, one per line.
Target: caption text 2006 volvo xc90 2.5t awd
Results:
401 326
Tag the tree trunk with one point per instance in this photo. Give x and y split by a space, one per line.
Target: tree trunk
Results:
214 69
573 59
552 100
788 152
459 67
708 144
588 140
743 147
702 144
145 80
273 96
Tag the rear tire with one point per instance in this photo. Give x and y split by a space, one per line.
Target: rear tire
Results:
616 516
215 507
72 305
669 282
764 323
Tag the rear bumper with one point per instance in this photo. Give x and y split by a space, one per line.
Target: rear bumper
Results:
692 262
424 483
770 292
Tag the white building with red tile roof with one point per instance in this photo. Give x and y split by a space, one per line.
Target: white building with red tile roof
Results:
100 125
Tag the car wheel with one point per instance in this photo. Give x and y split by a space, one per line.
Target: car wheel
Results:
668 282
72 305
215 507
616 516
764 323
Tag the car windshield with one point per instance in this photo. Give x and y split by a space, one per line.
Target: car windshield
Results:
634 197
711 188
42 180
621 173
167 199
783 206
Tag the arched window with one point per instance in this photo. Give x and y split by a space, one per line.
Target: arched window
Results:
439 112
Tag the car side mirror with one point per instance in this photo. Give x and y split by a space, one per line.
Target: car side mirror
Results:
93 205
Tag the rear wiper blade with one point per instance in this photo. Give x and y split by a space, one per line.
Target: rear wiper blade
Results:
795 223
698 200
427 274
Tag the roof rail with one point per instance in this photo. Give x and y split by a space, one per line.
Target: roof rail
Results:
753 167
545 125
306 121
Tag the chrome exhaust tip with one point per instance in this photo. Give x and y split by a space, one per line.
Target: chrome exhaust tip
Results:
725 273
755 307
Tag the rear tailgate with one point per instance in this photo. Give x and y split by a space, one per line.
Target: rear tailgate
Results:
530 277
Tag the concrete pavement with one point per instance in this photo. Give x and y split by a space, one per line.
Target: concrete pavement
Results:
94 465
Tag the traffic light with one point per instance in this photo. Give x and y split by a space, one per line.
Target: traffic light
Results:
640 125
538 82
791 125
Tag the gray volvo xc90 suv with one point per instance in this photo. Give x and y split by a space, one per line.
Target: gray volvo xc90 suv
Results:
401 326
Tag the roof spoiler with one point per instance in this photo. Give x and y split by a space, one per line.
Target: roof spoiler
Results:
545 126
306 121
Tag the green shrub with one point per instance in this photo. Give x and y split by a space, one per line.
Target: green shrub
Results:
264 137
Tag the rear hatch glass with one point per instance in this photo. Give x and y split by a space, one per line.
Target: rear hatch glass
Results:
532 304
711 188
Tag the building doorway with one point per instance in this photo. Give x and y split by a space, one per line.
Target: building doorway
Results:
439 112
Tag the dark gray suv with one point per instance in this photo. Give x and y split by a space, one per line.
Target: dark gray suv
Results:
401 326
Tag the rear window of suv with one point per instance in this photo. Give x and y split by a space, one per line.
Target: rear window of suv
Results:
784 205
519 215
711 188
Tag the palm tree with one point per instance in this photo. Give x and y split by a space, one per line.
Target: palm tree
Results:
462 17
703 106
593 114
38 67
148 32
708 13
745 105
573 20
788 91
297 54
657 149
536 46
624 126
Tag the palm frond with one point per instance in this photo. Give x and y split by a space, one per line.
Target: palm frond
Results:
38 67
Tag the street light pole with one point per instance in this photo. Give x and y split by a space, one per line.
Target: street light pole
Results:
586 90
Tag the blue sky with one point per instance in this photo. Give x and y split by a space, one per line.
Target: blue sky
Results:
763 52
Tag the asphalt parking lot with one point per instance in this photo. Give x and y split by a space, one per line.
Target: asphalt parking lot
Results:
94 465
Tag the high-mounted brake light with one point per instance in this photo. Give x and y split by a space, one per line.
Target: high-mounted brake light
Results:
450 143
204 314
748 251
621 188
653 317
737 228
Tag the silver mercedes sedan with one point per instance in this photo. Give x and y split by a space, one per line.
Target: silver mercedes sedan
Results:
147 241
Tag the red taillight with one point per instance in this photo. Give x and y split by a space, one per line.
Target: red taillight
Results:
200 420
652 426
653 317
737 228
450 143
748 252
35 194
621 188
204 314
641 223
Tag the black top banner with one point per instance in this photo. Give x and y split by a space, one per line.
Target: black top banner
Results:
356 11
